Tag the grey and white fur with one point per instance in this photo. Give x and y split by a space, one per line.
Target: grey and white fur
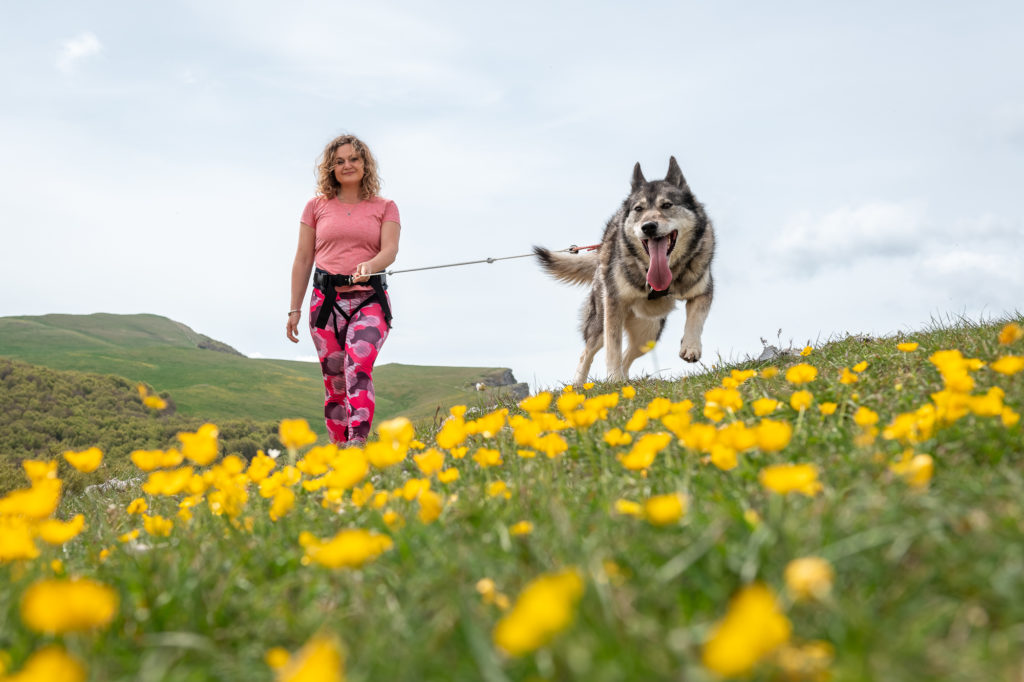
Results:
656 249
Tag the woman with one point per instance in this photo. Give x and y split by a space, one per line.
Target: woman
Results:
346 230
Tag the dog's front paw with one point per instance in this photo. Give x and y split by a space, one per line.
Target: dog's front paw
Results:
689 350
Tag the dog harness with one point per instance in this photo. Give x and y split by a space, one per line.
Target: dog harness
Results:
326 283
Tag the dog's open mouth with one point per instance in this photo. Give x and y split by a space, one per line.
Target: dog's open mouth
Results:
659 276
671 236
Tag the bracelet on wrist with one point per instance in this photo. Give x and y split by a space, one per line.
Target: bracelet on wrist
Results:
297 310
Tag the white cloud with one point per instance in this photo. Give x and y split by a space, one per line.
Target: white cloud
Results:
848 233
76 49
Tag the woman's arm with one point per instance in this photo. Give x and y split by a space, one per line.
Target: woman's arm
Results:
301 269
389 233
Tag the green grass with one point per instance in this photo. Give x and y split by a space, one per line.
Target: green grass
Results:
206 378
928 582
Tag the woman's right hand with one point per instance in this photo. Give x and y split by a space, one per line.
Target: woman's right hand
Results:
292 330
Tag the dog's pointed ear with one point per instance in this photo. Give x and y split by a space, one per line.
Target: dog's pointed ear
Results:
674 175
638 176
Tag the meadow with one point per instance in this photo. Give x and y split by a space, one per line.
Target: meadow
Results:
851 512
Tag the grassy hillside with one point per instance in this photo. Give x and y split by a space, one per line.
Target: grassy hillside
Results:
852 514
209 379
45 412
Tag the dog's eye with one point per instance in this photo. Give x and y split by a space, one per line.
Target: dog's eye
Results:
637 208
667 205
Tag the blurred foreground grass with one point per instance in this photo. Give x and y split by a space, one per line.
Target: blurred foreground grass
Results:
906 491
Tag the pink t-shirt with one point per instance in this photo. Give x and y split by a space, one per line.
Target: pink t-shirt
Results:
347 234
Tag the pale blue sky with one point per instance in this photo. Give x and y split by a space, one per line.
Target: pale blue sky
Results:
861 163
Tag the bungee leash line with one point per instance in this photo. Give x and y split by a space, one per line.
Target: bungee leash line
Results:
571 249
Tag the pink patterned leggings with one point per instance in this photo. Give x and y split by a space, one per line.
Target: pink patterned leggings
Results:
348 347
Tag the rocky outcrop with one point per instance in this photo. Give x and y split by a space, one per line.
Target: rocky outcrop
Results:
504 381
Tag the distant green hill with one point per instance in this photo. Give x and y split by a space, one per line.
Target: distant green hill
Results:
209 379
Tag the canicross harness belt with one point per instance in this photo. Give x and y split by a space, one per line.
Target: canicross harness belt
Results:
325 282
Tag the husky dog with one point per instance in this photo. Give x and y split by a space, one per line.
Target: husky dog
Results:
656 248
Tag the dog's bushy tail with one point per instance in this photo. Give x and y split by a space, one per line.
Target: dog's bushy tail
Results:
572 268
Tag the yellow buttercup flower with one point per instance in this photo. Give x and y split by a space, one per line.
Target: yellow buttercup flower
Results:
86 461
498 489
487 457
773 435
809 578
37 502
661 510
430 461
726 398
536 403
801 400
282 503
1008 365
399 431
544 608
1011 333
764 406
806 351
393 519
155 403
801 374
431 505
448 476
16 539
615 437
129 536
488 425
752 629
147 460
321 659
769 372
628 508
295 433
628 392
724 457
37 470
847 377
453 432
137 506
644 451
157 526
351 548
791 478
521 528
49 664
865 417
907 346
860 366
260 467
54 532
827 408
916 470
201 446
169 482
54 606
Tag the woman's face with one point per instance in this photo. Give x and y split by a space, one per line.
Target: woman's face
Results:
348 165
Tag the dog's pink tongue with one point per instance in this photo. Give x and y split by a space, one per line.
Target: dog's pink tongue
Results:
658 275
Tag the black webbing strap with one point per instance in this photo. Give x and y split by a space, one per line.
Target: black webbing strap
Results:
326 283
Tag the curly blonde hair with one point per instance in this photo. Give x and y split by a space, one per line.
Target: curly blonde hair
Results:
328 186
